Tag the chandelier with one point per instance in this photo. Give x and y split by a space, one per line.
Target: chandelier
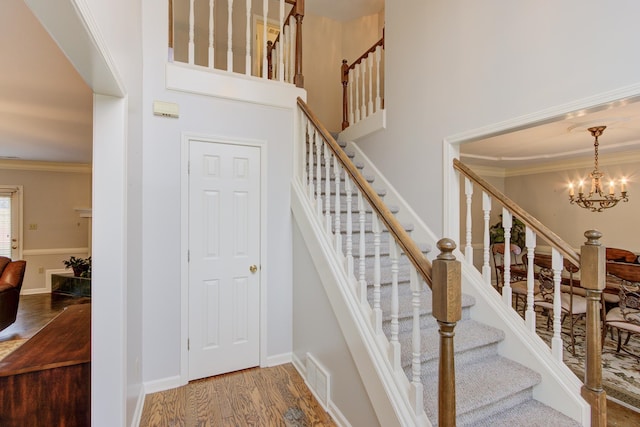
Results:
597 200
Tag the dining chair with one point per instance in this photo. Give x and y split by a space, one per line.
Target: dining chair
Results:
573 306
518 270
626 316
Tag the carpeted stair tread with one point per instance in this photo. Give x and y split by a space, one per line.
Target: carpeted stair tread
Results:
483 389
405 297
530 414
473 340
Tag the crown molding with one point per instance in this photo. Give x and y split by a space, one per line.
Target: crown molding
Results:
28 165
583 163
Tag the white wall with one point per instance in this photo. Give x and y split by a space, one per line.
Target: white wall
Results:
456 66
161 169
316 331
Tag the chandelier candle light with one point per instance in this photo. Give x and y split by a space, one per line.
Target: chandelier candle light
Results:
597 200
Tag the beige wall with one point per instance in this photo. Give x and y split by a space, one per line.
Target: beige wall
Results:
49 202
545 196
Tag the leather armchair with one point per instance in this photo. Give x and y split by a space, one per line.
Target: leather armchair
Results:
11 276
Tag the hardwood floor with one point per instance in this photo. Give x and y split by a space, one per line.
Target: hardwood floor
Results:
274 396
235 399
35 311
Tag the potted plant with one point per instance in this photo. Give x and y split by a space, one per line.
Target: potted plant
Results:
81 266
518 233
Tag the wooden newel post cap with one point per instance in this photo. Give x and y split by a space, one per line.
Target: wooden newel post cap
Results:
593 237
593 262
447 284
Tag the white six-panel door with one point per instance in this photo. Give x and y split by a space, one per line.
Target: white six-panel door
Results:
224 264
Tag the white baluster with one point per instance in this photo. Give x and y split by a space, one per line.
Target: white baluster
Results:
378 58
311 133
370 79
318 175
265 62
363 109
280 60
304 124
356 101
530 314
361 266
349 191
284 60
486 267
416 346
507 223
230 37
192 46
327 187
394 254
468 250
292 48
350 93
556 341
377 310
336 179
211 35
247 63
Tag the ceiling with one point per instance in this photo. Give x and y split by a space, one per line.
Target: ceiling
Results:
561 139
47 108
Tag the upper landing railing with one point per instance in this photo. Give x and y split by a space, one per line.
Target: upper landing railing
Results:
260 38
363 85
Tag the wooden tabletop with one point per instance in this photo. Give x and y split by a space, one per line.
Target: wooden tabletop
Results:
64 341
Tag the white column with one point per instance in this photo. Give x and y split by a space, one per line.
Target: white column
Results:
211 36
247 60
377 310
348 190
530 314
507 222
468 250
556 341
378 58
486 209
338 232
230 38
191 32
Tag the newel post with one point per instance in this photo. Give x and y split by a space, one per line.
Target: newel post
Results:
298 78
447 309
592 278
344 70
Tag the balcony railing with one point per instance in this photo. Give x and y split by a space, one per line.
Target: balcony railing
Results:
259 38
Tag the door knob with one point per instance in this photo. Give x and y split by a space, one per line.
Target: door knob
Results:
253 268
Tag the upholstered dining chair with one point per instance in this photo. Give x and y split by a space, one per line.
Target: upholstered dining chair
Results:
518 270
626 316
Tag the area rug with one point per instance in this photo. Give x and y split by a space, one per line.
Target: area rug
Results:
6 347
620 371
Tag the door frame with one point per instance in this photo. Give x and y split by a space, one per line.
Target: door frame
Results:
17 212
187 137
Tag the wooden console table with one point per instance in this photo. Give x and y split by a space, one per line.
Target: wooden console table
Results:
47 380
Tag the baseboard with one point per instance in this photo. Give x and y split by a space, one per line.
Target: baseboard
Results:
332 409
137 414
162 384
35 291
278 359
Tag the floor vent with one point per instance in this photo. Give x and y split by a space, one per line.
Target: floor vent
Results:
318 380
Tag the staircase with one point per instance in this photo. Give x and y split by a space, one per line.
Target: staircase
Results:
490 390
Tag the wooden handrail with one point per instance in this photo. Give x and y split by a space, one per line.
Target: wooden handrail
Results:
367 52
344 72
411 250
539 228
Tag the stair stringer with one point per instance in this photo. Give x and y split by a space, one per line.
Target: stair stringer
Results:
387 390
559 388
